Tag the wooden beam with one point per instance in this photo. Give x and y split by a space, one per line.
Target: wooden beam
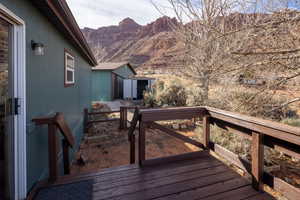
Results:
43 120
104 120
121 118
282 146
275 143
142 143
175 134
125 118
66 158
104 113
131 135
287 190
257 156
231 157
206 131
150 115
52 151
274 129
277 184
243 132
132 149
64 129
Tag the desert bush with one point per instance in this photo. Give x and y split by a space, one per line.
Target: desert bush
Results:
149 98
173 95
291 121
166 93
249 101
194 96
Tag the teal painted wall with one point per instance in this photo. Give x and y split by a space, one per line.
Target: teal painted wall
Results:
46 93
102 80
124 72
101 86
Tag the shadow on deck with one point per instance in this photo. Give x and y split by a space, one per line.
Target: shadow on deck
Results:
198 176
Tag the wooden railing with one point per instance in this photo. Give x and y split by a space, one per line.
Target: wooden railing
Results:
57 122
281 137
123 119
88 115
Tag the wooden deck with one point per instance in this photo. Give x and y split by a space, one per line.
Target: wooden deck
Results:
198 176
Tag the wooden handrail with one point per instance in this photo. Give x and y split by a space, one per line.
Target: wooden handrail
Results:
161 114
268 127
278 136
64 129
57 122
261 132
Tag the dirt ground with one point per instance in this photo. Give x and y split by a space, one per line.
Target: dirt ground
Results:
107 146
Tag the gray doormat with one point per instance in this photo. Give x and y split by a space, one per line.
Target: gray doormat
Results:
80 190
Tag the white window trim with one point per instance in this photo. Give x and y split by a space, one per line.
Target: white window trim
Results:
19 174
68 68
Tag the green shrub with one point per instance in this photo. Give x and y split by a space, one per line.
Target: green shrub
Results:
291 121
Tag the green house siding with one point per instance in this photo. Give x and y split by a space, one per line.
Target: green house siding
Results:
46 93
101 86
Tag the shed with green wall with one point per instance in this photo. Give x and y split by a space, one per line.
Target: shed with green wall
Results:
107 80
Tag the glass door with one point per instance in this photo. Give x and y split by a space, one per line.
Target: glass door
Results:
6 108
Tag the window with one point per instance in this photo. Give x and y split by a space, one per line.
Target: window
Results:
69 69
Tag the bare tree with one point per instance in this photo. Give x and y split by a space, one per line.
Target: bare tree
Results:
253 38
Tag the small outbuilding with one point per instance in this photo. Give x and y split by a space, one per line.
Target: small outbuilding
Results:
134 88
112 81
108 80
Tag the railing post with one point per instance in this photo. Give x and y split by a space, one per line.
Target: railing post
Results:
206 131
85 120
257 160
125 118
131 135
52 146
142 142
66 158
121 118
132 149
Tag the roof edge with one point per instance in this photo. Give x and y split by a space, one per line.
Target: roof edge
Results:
62 11
121 65
132 69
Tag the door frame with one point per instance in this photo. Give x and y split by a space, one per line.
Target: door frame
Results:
18 175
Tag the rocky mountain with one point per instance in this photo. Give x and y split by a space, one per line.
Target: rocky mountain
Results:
152 46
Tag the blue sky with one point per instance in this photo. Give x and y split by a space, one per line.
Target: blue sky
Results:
98 13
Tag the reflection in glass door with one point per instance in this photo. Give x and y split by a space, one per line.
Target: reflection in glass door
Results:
5 107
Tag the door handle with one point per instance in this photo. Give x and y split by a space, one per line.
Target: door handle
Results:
16 106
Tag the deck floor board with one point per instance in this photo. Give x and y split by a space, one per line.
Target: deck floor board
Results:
202 178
